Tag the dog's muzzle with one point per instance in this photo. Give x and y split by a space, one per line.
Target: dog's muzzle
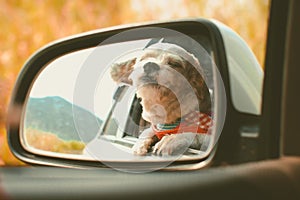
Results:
151 67
150 72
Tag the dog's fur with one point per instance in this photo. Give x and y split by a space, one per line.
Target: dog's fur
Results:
170 87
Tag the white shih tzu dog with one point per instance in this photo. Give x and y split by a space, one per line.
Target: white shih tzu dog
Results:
174 97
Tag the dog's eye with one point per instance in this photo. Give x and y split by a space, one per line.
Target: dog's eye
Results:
174 64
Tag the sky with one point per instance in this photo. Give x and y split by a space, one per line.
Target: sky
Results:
72 75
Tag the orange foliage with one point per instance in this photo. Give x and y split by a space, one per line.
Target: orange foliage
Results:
7 157
50 142
28 25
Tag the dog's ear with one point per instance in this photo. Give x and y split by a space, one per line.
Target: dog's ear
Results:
120 72
201 90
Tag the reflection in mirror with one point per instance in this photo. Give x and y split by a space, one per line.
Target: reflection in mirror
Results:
49 124
129 96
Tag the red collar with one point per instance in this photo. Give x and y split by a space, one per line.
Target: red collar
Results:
195 122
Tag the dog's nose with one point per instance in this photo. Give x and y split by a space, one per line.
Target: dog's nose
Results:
150 67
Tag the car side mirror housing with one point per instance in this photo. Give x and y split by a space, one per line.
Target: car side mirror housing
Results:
68 110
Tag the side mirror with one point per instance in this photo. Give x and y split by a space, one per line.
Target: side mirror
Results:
69 108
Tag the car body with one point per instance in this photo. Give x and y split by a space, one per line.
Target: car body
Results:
272 170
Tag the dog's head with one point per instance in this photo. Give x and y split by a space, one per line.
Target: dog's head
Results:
169 82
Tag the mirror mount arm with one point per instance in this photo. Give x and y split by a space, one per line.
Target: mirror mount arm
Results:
117 97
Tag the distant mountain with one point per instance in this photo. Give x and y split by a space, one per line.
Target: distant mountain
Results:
56 115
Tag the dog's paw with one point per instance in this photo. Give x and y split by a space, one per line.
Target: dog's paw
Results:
142 146
175 144
172 145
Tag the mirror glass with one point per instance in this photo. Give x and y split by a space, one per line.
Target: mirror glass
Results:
105 102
